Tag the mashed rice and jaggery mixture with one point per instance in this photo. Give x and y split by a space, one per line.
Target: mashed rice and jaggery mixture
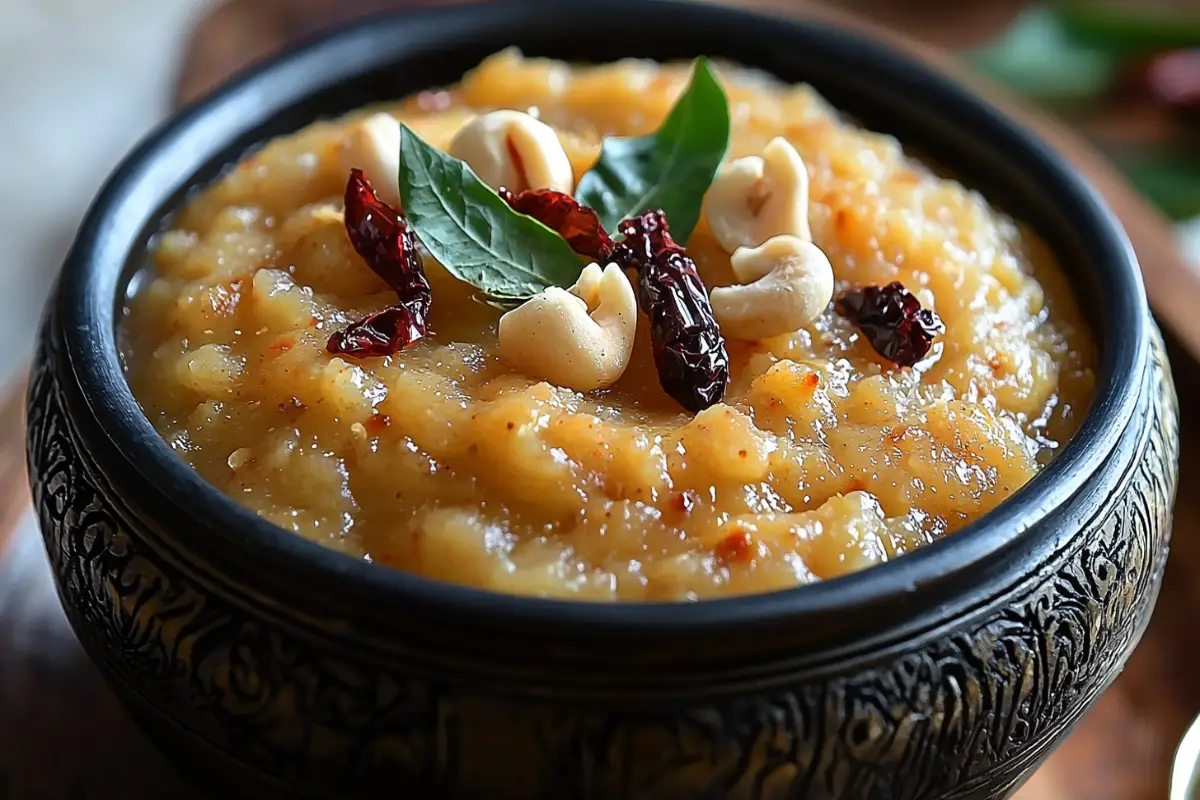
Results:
445 459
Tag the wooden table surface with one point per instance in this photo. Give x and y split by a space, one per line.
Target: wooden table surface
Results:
63 736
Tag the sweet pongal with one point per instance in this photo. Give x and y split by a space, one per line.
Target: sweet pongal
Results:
481 357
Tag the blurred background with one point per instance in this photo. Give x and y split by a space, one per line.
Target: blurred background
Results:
82 80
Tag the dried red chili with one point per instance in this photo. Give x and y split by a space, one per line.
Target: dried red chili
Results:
560 212
689 350
384 240
380 334
892 320
646 238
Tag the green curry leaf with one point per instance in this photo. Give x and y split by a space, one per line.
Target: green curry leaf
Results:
670 169
472 232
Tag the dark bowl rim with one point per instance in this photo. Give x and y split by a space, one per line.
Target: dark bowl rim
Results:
88 299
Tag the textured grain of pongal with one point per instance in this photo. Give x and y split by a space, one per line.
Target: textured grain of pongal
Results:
441 460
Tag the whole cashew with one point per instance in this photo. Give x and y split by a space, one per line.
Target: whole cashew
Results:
373 145
582 338
754 198
788 282
514 150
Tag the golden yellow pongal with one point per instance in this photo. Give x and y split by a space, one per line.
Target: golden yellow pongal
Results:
554 428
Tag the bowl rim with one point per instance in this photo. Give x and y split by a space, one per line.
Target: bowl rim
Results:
92 292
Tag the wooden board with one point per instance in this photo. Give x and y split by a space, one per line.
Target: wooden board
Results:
13 491
62 735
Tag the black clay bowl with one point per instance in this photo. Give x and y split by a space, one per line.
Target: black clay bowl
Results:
261 662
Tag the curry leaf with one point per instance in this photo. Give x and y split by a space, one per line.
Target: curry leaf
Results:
670 169
472 232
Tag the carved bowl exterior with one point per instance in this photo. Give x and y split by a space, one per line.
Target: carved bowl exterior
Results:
265 665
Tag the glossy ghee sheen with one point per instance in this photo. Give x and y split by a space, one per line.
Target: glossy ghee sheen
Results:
822 460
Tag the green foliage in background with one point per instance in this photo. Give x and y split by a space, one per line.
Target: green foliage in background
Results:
1040 58
1067 57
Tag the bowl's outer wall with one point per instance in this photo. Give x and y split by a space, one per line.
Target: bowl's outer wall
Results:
255 679
237 693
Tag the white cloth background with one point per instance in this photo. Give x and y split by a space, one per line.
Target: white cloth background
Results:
80 82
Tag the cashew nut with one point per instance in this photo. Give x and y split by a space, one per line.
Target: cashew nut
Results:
514 150
754 198
788 283
373 145
582 338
